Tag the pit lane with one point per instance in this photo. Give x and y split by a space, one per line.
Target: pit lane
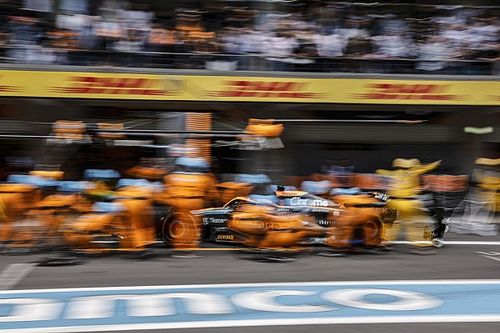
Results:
453 261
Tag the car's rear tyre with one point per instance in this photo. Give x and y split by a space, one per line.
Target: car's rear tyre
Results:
373 232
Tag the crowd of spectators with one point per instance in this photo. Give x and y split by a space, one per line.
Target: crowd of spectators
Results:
306 36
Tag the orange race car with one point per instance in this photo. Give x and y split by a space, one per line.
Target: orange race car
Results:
295 218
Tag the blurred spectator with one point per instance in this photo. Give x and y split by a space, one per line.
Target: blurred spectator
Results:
4 38
359 46
74 22
158 39
232 45
87 38
306 52
232 39
253 41
352 29
23 30
63 39
279 50
393 45
434 55
24 36
484 36
456 34
108 31
329 45
137 17
130 41
129 47
303 35
44 54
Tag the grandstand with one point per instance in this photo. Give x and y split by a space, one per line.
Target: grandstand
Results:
300 36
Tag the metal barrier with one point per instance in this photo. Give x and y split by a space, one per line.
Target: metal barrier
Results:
247 62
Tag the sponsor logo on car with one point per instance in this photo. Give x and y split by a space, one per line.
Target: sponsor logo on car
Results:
225 237
324 223
213 220
308 202
315 241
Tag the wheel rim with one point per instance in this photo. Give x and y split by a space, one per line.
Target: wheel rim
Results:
176 229
372 232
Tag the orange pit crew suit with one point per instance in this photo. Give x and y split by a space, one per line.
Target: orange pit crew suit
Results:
21 196
184 192
230 190
15 201
361 212
49 214
190 191
265 230
129 216
403 190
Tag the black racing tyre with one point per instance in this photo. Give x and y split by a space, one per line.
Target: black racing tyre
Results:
179 229
161 213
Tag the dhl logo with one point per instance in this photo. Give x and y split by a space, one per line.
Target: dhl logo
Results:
403 91
266 89
115 86
7 88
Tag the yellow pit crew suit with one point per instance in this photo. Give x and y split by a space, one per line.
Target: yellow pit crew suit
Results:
403 191
489 182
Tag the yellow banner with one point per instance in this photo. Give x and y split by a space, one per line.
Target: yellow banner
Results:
246 89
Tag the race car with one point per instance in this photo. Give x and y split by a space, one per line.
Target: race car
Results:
215 221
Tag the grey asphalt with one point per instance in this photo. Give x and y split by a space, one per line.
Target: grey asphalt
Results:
450 262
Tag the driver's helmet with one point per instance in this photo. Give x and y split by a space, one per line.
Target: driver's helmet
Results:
404 163
279 189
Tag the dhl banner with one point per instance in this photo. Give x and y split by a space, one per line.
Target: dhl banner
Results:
246 89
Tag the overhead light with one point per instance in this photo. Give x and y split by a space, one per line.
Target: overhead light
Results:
478 130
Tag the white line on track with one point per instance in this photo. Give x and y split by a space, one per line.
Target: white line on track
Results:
487 243
268 322
458 242
268 284
363 320
14 273
493 243
490 255
492 258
